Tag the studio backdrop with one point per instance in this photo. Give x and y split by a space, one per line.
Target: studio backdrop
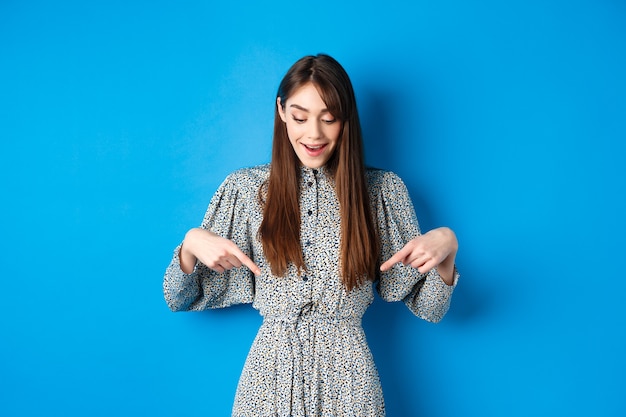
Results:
506 121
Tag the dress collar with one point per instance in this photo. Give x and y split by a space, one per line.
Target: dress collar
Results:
307 172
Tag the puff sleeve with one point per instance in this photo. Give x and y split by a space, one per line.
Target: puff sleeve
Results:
228 215
426 295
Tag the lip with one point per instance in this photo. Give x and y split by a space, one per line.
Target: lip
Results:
316 150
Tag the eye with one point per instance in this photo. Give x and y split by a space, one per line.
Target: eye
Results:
298 120
329 122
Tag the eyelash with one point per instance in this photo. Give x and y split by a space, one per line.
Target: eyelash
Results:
328 122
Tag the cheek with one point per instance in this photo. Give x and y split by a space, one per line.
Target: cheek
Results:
294 131
333 132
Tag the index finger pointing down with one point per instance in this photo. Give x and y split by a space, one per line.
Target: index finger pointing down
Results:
396 258
247 262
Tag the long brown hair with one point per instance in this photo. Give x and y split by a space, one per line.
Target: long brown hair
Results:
280 228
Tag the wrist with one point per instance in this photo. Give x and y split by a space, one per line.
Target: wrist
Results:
186 255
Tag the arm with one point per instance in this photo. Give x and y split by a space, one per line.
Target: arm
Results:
418 269
193 285
212 267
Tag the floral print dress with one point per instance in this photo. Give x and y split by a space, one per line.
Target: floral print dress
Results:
310 356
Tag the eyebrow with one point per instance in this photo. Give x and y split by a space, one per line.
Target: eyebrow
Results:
307 110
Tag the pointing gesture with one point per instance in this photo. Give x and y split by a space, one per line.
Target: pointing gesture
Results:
214 251
437 248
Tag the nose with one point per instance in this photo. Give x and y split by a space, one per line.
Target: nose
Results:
314 131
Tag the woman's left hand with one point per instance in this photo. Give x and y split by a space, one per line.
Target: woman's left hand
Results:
435 249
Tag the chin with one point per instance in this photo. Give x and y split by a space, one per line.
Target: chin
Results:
314 164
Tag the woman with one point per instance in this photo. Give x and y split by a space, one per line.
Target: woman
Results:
303 239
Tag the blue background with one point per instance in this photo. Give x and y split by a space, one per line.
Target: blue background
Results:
507 121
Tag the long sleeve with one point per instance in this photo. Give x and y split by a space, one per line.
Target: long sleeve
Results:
228 215
426 295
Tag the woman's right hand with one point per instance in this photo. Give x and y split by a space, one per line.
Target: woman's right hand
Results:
214 251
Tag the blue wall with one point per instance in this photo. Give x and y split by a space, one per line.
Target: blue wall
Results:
507 121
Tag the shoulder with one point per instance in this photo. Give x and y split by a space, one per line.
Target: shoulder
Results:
244 182
390 195
251 176
382 179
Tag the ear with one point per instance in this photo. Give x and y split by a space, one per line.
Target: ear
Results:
281 110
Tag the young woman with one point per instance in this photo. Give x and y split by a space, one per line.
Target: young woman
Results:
304 239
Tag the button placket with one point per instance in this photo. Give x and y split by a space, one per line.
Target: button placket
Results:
308 222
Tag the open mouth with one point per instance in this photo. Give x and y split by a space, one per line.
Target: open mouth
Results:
315 150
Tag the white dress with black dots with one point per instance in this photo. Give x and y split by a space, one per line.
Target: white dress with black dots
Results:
310 356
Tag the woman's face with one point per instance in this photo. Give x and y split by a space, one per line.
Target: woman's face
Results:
312 130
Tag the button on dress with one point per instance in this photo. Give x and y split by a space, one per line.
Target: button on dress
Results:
310 356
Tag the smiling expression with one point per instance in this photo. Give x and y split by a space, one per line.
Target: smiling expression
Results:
313 131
